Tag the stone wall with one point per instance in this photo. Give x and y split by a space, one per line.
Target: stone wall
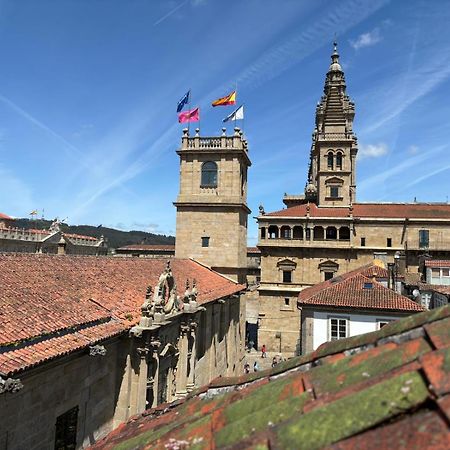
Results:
186 351
29 416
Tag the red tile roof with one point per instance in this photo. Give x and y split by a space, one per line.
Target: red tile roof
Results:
369 210
79 236
42 295
148 247
5 217
253 250
349 291
437 263
386 389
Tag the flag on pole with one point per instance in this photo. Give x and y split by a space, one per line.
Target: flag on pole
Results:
189 116
237 114
225 101
184 100
33 213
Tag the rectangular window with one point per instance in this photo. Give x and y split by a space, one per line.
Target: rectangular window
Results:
363 242
424 238
446 272
389 242
205 241
286 301
66 430
338 328
263 233
328 275
382 323
287 276
334 191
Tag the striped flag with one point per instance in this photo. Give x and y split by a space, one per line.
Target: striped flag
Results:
237 114
189 116
225 101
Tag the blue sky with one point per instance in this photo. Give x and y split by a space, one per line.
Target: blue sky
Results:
88 94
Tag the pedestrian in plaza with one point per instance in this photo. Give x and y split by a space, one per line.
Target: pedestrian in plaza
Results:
255 366
263 351
274 361
247 368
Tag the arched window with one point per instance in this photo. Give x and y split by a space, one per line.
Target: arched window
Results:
298 232
330 163
209 174
339 161
273 232
344 234
331 233
318 233
285 232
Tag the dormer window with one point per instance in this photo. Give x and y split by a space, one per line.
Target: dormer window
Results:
209 174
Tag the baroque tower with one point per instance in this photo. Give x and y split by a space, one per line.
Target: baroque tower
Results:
212 202
332 169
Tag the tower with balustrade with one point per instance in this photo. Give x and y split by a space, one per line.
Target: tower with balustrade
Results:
211 205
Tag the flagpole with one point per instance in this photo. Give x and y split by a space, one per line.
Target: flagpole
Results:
189 108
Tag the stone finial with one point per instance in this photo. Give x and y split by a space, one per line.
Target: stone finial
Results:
197 132
185 132
261 210
97 350
10 385
194 291
236 131
224 131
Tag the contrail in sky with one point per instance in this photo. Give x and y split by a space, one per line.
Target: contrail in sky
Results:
170 13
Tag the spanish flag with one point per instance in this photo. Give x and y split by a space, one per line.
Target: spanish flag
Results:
225 101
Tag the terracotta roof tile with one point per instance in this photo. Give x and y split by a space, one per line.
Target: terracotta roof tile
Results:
370 210
356 290
437 263
83 296
392 393
148 247
5 217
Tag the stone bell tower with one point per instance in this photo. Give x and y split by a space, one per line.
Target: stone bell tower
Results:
212 206
332 170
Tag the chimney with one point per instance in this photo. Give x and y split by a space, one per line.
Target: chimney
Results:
62 246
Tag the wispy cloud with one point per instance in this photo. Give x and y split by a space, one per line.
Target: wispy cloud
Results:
413 150
400 169
366 39
281 57
372 150
172 11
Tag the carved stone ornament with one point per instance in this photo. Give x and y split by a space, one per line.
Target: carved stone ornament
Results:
10 385
165 296
97 350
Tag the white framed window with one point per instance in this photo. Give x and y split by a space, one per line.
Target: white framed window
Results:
382 322
337 328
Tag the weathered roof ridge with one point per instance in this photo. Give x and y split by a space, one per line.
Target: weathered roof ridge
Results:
390 387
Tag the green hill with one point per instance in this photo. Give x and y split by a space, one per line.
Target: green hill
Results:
116 238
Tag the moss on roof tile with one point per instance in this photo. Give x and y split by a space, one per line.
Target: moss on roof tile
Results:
362 366
354 413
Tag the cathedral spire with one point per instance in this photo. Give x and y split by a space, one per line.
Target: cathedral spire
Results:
331 174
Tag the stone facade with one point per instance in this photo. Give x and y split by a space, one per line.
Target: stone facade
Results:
212 202
325 232
53 241
179 344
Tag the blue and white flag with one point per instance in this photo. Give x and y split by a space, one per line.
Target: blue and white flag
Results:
237 114
183 101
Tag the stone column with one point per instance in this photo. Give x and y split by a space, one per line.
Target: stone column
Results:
155 380
183 346
142 381
192 354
